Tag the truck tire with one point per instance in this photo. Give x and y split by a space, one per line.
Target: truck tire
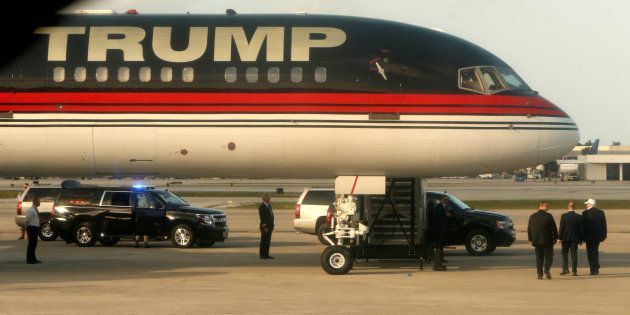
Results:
337 260
108 241
84 234
182 236
321 230
46 232
479 243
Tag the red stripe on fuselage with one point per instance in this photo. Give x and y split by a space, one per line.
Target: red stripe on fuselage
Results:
274 103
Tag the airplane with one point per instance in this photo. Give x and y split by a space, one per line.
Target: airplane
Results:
294 96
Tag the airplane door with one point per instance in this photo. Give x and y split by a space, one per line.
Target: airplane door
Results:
124 151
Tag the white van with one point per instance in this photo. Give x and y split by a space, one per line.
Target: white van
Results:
47 196
310 211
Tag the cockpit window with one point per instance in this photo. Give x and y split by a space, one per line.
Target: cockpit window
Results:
512 79
490 80
469 80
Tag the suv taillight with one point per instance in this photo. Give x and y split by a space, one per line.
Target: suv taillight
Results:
297 211
19 208
52 211
329 215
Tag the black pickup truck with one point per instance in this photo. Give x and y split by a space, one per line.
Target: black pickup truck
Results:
88 214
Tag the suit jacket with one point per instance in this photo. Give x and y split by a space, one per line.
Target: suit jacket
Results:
594 221
542 229
266 216
571 228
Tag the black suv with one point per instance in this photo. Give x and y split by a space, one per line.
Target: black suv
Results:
481 231
106 214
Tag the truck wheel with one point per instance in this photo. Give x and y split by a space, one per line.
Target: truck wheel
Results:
46 232
321 230
108 241
204 243
337 260
84 234
479 243
182 236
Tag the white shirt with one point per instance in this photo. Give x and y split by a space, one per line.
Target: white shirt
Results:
32 217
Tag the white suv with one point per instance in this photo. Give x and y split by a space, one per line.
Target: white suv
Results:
47 196
311 209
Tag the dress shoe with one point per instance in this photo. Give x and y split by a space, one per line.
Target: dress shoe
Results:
266 257
441 268
539 277
575 274
548 275
38 262
564 273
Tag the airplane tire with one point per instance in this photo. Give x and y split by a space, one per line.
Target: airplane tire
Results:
337 260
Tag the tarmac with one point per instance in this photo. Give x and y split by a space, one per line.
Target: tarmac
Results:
229 277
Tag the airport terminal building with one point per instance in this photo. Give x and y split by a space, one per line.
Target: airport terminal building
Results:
610 163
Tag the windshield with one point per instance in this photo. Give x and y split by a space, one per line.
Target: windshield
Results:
490 80
458 203
170 198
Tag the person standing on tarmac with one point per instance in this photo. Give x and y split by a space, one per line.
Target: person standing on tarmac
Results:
23 228
440 224
570 237
31 222
595 232
542 233
266 226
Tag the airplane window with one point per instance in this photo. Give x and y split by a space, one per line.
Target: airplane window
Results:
469 80
101 74
230 74
251 74
273 75
512 79
59 74
320 74
296 74
188 74
145 74
492 79
123 74
166 74
79 74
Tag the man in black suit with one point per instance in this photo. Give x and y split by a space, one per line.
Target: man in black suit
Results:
595 232
542 233
266 226
570 235
439 223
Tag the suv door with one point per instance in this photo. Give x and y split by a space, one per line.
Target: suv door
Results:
150 214
117 220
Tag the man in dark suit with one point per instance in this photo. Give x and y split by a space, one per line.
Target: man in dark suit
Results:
266 226
439 223
542 233
570 235
595 232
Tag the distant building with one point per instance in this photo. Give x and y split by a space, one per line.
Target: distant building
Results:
609 163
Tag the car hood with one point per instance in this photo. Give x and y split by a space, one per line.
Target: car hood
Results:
490 214
196 210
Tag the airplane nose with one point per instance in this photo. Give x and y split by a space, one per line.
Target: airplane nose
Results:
558 137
